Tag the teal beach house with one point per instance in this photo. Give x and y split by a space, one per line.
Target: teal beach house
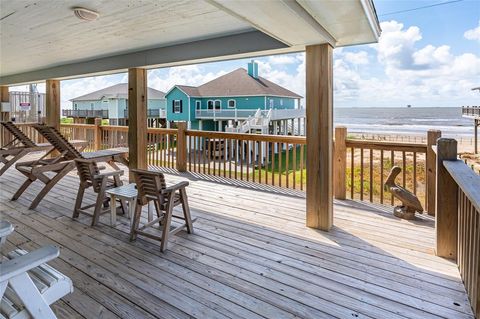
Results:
239 101
112 103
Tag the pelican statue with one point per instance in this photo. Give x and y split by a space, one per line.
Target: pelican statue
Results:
410 202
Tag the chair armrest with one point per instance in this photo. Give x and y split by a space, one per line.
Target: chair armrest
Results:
6 228
22 264
175 187
108 174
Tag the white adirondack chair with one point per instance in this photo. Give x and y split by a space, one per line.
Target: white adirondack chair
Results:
28 286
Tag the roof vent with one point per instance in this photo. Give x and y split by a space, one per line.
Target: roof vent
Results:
85 14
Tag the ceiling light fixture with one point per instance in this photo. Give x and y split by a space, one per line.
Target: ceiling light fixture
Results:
85 14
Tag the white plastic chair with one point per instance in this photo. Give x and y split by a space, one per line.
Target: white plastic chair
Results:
28 286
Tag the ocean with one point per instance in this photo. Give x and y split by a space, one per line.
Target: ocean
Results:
412 121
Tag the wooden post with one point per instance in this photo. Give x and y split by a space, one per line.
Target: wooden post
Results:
137 118
340 163
475 138
52 103
97 135
446 219
181 147
319 116
431 171
4 116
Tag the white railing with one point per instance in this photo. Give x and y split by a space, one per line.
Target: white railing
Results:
282 114
225 114
237 114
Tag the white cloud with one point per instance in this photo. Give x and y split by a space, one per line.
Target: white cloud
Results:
73 88
473 34
360 57
282 59
406 74
182 75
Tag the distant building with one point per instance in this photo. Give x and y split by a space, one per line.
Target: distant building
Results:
240 101
112 103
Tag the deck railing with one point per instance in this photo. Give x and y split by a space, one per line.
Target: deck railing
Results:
85 132
473 111
162 147
458 217
266 159
360 169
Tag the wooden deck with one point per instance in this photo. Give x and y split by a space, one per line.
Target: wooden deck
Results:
250 257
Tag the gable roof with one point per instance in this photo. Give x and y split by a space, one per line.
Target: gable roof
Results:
119 91
237 83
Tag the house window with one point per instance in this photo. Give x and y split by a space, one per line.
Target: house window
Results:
218 104
91 106
198 105
281 102
75 106
210 105
271 103
177 106
232 103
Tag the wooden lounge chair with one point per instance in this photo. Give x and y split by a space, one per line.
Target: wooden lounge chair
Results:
21 145
28 286
62 164
90 176
151 186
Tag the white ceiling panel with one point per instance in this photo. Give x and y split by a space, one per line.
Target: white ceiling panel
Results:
45 33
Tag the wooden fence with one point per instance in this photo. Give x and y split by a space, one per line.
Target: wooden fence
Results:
267 159
360 169
458 217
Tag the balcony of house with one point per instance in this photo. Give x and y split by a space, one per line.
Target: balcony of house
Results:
471 111
242 114
251 255
151 113
103 114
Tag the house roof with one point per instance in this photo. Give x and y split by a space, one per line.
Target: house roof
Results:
238 83
119 91
189 90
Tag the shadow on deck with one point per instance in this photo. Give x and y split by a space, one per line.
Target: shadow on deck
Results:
250 257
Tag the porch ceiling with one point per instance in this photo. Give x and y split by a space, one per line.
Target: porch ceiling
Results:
43 39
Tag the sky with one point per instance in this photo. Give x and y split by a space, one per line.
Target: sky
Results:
428 55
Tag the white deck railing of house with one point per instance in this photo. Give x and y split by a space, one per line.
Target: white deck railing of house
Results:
236 114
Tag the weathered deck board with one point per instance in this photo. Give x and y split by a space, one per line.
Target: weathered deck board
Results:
250 257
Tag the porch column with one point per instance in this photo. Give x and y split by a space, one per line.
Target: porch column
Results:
137 118
477 123
319 117
52 103
4 116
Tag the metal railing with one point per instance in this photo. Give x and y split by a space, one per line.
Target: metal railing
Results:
86 113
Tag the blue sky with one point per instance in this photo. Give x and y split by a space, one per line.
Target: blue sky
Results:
425 57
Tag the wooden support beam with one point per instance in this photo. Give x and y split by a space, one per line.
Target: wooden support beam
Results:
4 116
52 103
319 116
137 118
340 163
431 170
446 219
97 135
476 124
181 156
